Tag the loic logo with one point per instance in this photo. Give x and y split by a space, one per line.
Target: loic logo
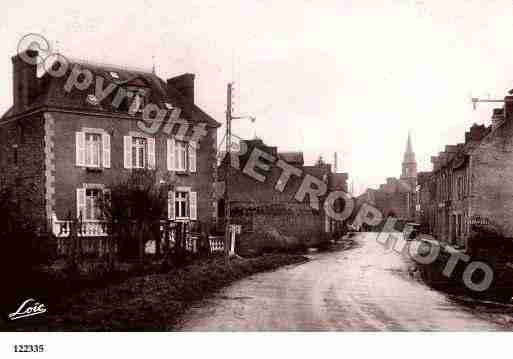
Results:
28 308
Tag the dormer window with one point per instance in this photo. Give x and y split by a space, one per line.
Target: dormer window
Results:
92 99
138 103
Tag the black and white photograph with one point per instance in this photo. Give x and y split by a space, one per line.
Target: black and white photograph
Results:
222 167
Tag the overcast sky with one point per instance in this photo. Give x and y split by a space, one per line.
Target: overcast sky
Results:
345 76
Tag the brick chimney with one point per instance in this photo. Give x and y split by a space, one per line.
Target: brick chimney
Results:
24 79
508 107
184 84
477 132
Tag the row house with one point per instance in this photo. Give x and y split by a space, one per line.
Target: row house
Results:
61 149
259 206
471 183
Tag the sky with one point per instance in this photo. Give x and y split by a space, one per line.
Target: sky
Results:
319 76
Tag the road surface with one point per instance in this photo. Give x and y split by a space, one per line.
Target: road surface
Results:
367 288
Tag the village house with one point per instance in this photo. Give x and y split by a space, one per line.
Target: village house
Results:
60 150
260 206
471 183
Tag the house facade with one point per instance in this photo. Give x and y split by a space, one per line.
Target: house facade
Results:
63 146
471 183
261 206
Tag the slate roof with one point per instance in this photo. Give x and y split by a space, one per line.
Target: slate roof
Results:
52 93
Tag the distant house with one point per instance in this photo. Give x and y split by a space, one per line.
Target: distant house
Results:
260 206
60 150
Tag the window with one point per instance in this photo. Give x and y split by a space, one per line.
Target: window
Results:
139 150
138 103
93 144
92 210
92 147
181 199
89 201
181 155
182 204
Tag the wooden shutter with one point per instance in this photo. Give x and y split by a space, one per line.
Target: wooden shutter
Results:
81 202
192 156
193 205
80 148
171 205
151 152
106 150
171 154
127 151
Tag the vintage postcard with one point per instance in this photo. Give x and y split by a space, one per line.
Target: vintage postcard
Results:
224 166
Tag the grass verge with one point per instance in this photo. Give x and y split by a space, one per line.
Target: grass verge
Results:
151 302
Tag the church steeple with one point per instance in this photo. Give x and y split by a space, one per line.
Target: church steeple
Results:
409 163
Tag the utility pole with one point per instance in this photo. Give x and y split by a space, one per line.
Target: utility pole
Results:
229 246
227 241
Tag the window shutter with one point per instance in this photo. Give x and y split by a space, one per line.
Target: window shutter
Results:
106 150
193 205
80 148
81 202
192 156
127 151
171 154
151 152
171 205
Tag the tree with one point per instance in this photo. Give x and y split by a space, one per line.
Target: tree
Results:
134 208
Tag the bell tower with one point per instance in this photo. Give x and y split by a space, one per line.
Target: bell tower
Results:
409 170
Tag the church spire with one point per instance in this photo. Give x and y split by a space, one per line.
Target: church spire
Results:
409 163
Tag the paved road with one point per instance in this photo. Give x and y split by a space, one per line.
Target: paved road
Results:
367 288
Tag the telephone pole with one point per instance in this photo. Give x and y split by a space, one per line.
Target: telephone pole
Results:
227 242
229 247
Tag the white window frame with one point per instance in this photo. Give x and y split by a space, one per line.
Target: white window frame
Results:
135 160
181 156
84 148
181 198
90 147
191 204
83 202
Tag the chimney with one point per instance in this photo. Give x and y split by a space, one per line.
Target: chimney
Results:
467 137
508 107
477 132
184 84
24 78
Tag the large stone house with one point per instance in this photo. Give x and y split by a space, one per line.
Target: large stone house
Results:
61 146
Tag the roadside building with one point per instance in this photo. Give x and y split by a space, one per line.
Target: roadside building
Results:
261 206
61 148
471 183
